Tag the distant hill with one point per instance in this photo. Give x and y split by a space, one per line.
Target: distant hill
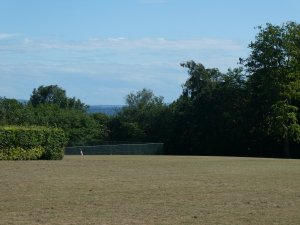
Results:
106 109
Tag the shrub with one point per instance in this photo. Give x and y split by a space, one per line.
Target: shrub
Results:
55 141
27 143
19 153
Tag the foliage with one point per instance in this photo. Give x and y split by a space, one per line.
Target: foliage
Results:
274 83
55 141
21 143
53 94
208 116
18 153
142 99
141 119
80 127
12 112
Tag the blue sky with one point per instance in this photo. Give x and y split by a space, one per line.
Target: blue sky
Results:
101 50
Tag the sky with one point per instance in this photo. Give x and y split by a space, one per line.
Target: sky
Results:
101 50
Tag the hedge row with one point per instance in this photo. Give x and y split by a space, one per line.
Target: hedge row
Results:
22 143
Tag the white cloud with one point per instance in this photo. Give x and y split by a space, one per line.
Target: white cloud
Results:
97 68
92 52
161 44
6 36
104 83
118 44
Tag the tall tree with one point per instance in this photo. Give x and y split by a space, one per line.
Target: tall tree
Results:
11 112
208 117
274 83
55 95
141 119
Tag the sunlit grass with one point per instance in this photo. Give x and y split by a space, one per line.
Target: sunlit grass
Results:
150 190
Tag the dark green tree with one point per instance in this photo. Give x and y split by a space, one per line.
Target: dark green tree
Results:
53 94
274 84
13 112
80 127
209 114
208 117
142 118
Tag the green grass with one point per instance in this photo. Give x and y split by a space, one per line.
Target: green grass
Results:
120 190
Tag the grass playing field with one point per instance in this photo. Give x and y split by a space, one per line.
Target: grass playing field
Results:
117 190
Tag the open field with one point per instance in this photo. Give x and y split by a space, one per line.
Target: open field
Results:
117 190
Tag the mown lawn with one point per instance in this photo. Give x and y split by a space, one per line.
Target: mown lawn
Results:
117 190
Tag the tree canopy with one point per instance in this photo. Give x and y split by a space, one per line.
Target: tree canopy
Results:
55 95
274 82
140 119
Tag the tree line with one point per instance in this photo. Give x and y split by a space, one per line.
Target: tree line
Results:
252 110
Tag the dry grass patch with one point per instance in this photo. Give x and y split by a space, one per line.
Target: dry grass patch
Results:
116 190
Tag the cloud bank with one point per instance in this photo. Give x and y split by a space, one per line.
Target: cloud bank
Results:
120 43
104 70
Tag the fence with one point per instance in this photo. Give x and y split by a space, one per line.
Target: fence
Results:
118 149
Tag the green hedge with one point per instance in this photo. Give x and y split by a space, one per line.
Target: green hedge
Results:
23 143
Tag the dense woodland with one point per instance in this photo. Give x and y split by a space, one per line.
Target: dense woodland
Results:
252 110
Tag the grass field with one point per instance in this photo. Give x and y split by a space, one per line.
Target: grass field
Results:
117 190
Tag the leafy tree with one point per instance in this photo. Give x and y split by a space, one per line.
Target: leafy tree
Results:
53 94
201 81
179 121
142 99
49 106
80 127
121 130
274 83
12 112
208 117
141 119
102 120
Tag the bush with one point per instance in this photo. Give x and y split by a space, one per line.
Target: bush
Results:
54 144
19 153
27 143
